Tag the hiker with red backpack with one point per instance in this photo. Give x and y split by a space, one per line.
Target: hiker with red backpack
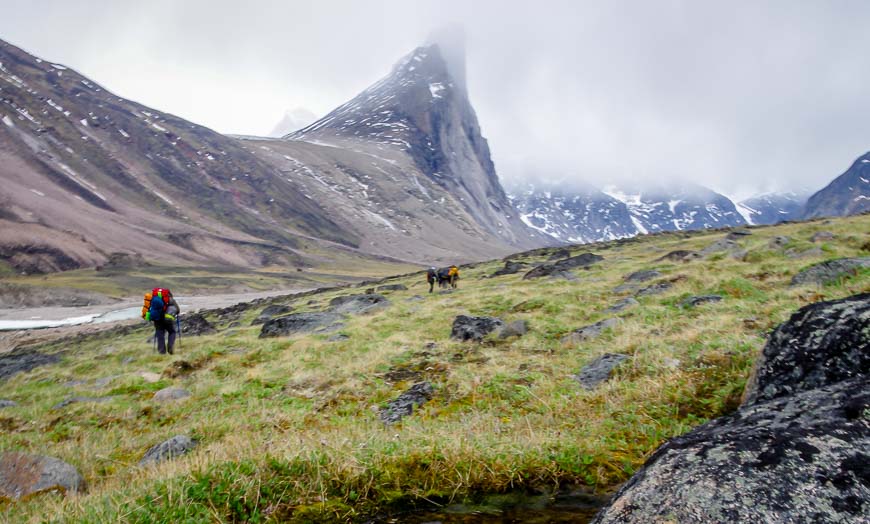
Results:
162 309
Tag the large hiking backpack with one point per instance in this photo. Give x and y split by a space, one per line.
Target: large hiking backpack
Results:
159 302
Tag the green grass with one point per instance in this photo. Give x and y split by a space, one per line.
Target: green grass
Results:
288 428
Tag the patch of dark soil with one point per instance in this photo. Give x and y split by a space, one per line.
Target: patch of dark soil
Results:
183 368
23 360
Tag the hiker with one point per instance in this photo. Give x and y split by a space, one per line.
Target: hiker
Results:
161 308
431 277
453 276
443 276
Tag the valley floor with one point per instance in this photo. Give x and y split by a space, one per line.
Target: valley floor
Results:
290 428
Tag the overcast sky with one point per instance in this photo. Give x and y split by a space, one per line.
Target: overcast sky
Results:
743 96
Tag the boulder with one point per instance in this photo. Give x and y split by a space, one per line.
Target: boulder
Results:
622 305
822 236
830 271
270 312
560 254
680 255
195 324
642 275
358 304
590 332
7 403
807 253
299 323
517 328
738 234
171 394
721 245
404 405
599 370
168 449
392 287
23 475
698 300
795 451
563 266
778 242
509 268
474 328
655 289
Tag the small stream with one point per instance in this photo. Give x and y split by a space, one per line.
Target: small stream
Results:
574 505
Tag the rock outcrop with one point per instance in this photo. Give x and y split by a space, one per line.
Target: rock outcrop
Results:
474 328
599 370
358 304
23 475
168 449
562 266
270 312
830 271
300 323
404 405
795 451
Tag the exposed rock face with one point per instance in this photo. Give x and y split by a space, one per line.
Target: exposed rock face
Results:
772 208
415 396
590 332
22 475
796 451
168 449
358 304
622 305
599 370
269 312
830 271
845 195
20 360
655 289
563 266
300 323
474 328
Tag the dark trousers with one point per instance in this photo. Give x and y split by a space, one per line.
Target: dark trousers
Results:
431 285
162 329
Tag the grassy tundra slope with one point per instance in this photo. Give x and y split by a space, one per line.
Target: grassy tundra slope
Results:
288 427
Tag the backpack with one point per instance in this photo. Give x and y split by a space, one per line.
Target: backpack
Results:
159 302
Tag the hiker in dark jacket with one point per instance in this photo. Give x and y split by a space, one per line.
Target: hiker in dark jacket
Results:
431 277
167 326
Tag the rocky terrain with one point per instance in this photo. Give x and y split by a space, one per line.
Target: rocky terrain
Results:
549 377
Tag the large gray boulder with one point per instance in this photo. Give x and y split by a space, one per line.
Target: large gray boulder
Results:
22 475
830 271
474 328
168 449
561 267
796 451
300 323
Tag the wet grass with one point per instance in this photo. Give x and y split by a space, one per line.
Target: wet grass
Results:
288 427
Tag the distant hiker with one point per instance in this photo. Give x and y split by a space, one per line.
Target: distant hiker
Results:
443 276
161 308
453 276
431 277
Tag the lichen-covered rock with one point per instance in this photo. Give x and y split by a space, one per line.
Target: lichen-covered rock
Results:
358 304
168 449
563 266
821 344
655 289
195 324
590 332
795 451
270 312
474 328
415 396
599 370
622 305
830 271
23 475
170 394
700 299
642 275
299 323
517 328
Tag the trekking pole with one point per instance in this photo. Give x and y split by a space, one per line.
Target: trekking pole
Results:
178 327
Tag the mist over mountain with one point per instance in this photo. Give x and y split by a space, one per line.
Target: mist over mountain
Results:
292 120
